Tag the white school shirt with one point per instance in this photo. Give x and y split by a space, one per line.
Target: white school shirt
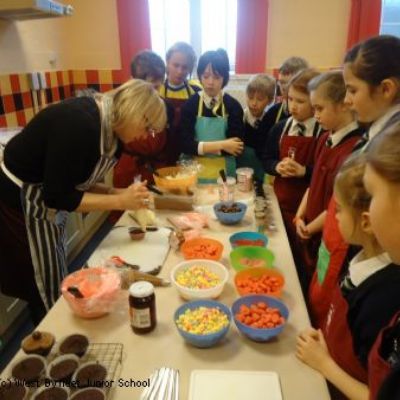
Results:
308 123
340 134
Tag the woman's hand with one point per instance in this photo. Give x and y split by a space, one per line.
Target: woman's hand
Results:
301 229
134 196
311 348
233 146
293 168
281 169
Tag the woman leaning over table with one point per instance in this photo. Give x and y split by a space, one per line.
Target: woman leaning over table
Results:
53 167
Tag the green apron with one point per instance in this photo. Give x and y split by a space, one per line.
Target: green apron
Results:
211 129
324 258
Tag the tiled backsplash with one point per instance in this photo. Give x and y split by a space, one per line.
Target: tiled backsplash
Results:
18 103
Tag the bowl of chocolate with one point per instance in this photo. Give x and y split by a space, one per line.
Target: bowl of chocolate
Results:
62 368
29 369
229 213
38 342
136 233
88 394
74 344
13 390
91 373
51 393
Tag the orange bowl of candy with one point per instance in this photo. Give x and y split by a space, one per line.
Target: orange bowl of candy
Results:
260 280
202 248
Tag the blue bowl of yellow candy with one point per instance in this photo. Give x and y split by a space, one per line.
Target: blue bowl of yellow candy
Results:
216 320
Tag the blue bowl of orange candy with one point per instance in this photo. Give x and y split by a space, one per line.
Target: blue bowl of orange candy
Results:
260 317
203 323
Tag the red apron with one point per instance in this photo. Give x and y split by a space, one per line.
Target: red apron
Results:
328 162
339 339
290 191
331 255
378 368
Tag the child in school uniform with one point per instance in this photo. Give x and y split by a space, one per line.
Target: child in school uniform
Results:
382 181
211 128
364 300
141 156
290 152
178 88
327 92
371 73
260 92
290 67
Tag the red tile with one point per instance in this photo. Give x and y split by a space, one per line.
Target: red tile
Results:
8 103
67 91
14 79
92 76
27 99
117 76
3 123
60 79
105 87
21 118
56 94
48 80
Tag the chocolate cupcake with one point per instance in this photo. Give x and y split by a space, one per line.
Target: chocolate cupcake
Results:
88 394
51 393
62 368
13 391
29 369
38 343
74 344
91 373
136 233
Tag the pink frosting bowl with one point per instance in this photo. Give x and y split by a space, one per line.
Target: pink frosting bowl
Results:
91 292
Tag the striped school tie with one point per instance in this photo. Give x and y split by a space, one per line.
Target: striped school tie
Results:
301 129
329 142
361 143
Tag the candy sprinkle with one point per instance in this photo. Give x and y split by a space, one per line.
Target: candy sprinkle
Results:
197 277
202 320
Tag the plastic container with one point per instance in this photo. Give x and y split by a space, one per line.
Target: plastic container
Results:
226 191
197 294
202 248
259 334
207 340
230 218
256 274
245 179
248 239
174 184
99 287
244 257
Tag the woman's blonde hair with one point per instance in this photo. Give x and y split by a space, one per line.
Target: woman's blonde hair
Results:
263 84
349 184
383 154
137 102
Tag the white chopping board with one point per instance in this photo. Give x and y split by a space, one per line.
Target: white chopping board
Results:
148 253
234 385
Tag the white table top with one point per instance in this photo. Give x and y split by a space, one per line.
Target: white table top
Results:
164 347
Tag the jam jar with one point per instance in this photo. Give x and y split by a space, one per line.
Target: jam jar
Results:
142 307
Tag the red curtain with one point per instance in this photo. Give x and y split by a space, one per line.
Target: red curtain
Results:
134 32
251 36
365 20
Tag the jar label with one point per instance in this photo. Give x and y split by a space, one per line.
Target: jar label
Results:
140 318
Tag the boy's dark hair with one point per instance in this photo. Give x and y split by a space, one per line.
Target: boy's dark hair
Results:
292 65
375 59
184 48
147 64
219 63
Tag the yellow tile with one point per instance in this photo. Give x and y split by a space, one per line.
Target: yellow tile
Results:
65 76
5 85
29 114
79 77
24 82
105 76
53 79
11 119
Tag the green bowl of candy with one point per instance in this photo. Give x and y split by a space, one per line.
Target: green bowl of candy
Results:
244 257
